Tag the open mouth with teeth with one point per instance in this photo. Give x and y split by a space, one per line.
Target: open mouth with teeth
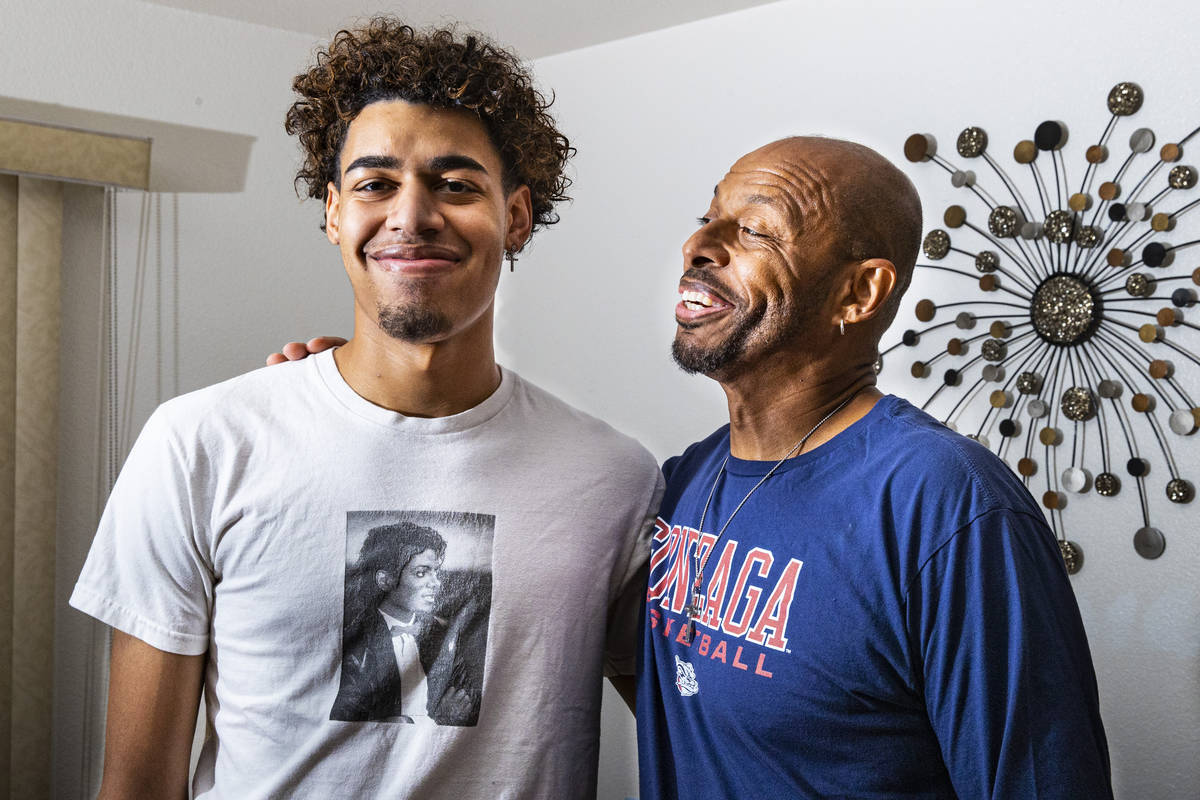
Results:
695 304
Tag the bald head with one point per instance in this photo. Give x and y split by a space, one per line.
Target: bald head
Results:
869 205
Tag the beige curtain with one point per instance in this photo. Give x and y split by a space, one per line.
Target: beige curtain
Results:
30 265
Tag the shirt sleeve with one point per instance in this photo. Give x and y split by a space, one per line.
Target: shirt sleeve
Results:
145 574
1007 674
625 609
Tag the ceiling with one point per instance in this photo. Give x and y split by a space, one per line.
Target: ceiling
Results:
534 28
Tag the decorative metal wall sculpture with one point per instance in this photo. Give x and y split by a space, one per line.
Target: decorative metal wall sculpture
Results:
1084 293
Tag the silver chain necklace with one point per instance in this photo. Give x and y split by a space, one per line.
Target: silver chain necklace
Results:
696 607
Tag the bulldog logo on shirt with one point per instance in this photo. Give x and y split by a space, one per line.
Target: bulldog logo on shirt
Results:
685 678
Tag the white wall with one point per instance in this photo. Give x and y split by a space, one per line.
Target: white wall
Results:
657 120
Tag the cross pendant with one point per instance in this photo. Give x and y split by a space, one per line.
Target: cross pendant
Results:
693 611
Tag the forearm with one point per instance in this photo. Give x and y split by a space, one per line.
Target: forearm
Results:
153 698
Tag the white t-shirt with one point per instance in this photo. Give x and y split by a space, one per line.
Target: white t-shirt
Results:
236 529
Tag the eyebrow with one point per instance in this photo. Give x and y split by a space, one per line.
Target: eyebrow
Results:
761 199
756 199
455 161
373 162
435 164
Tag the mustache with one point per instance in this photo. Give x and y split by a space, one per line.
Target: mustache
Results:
710 280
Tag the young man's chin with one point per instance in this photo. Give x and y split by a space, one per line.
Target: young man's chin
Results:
414 324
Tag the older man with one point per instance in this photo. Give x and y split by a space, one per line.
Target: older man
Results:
226 557
846 598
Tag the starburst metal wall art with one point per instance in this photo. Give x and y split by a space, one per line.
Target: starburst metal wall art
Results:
1085 294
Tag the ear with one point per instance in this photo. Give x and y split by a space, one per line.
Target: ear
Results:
384 580
519 219
333 202
871 285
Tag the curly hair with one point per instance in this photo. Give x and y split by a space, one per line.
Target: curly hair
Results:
388 60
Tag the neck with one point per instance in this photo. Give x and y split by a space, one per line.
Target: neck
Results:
433 379
771 410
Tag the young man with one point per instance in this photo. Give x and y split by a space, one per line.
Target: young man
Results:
846 598
229 554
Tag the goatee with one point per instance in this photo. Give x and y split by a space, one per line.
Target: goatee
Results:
692 358
413 324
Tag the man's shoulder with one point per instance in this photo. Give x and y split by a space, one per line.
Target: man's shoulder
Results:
586 433
679 468
919 433
924 455
250 397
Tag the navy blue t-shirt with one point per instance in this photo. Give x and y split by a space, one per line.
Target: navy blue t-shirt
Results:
888 616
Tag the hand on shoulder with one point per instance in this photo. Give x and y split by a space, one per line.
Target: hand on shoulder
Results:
298 351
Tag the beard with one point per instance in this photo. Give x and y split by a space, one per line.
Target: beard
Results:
413 323
756 330
694 358
756 333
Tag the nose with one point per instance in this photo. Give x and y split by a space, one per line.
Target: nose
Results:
704 247
414 211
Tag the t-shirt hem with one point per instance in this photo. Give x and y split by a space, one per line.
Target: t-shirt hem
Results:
123 619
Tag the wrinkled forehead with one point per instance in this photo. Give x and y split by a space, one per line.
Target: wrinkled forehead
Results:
780 178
